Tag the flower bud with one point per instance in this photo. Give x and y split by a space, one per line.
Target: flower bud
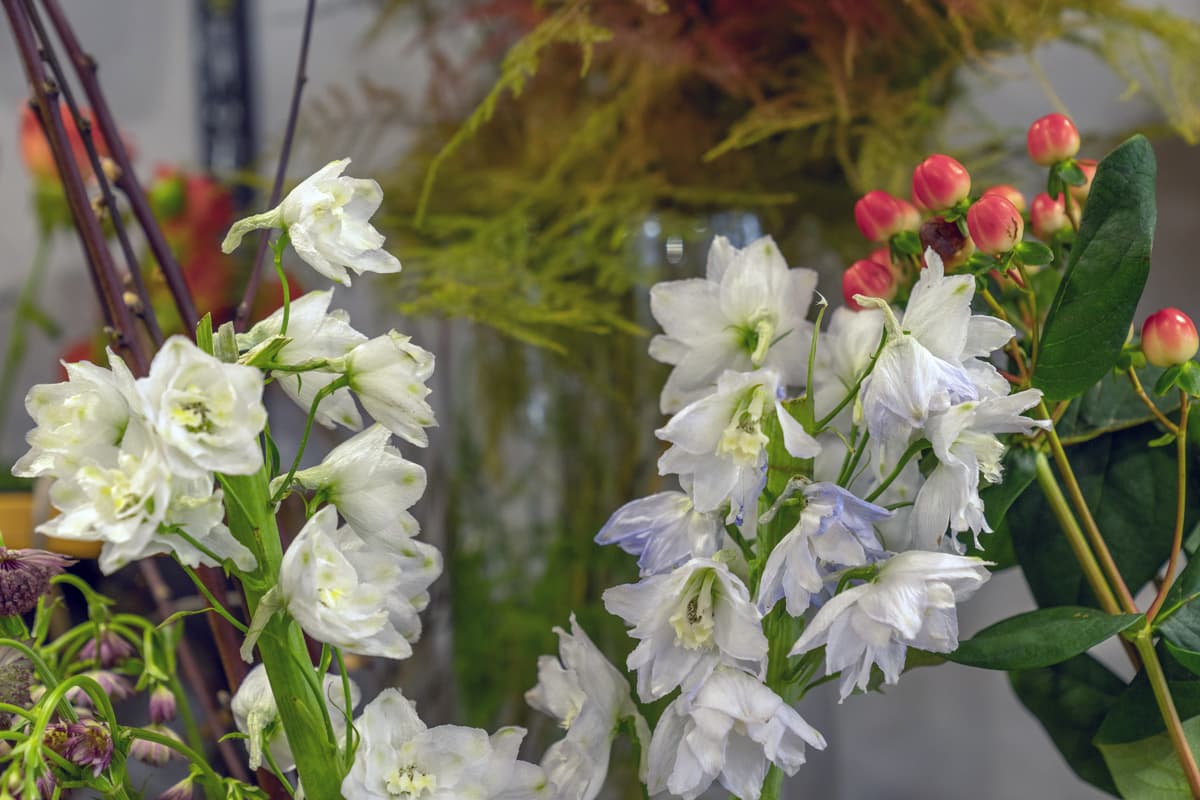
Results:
1080 193
180 791
1169 338
939 182
25 576
1048 216
947 241
107 647
1009 193
1051 139
880 216
868 278
155 754
883 255
116 687
162 705
995 224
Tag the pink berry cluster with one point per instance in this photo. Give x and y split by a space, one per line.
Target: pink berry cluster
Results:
943 216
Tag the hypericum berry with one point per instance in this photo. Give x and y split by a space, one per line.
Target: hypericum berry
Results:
883 255
1169 338
995 224
939 182
1080 193
1051 139
880 216
1010 193
1048 216
868 278
947 241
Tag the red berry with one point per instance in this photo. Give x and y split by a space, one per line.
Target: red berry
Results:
1009 193
1080 193
1048 216
939 182
868 278
995 224
880 216
947 241
1169 338
1051 139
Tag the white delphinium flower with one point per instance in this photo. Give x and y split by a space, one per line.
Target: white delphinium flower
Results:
730 730
400 758
369 482
835 528
748 312
314 333
364 598
131 501
80 419
719 445
208 414
931 359
963 439
326 217
256 715
688 622
910 603
844 353
590 698
663 530
388 375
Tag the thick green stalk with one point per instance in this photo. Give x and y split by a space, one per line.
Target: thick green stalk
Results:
281 647
1166 706
1180 506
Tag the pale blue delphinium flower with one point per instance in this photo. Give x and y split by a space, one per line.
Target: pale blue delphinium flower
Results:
663 531
730 729
835 528
910 603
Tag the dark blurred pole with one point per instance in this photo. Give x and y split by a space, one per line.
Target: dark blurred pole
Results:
225 93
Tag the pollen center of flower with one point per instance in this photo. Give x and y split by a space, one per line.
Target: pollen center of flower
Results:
693 617
194 416
743 440
410 783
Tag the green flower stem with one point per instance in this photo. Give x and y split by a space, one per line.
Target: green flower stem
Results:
824 422
1141 393
213 601
325 391
913 450
278 245
281 647
1075 537
1180 507
189 753
1095 538
1166 706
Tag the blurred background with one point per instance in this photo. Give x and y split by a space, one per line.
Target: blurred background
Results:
543 164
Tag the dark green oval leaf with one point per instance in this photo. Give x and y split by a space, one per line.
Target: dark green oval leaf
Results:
1135 744
1040 638
1089 319
1071 699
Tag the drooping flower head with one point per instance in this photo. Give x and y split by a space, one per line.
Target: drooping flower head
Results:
730 729
663 531
25 576
910 603
326 217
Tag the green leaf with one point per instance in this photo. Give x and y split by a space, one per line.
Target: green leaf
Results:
1131 491
1034 253
1188 658
1089 320
1167 380
204 334
1189 378
1135 744
1071 174
1179 619
1111 405
1040 638
1071 700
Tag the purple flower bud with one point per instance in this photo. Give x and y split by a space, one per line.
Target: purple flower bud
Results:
16 676
180 791
112 649
89 744
162 705
25 576
117 687
154 753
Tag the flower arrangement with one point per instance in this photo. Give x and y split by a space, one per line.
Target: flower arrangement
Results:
841 489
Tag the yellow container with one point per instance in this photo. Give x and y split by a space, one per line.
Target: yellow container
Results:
17 521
